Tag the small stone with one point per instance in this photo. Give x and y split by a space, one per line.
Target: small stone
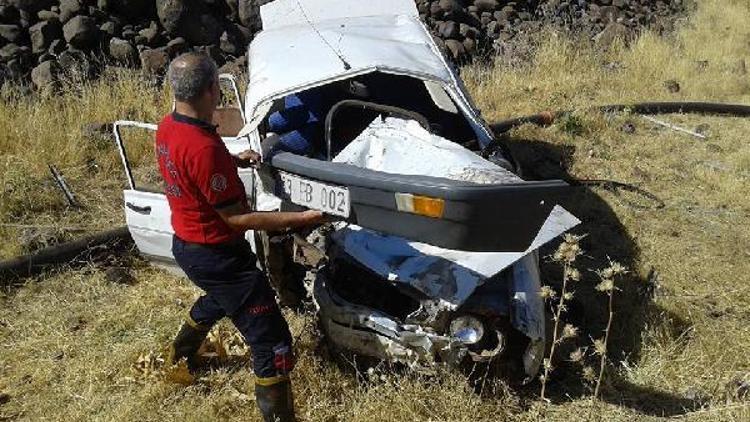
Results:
119 275
703 129
672 86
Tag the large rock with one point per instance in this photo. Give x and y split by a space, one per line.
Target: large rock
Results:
69 8
193 20
202 29
613 32
10 33
81 32
42 34
123 51
9 52
45 74
171 13
154 61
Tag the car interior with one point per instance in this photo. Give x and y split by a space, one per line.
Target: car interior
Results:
298 123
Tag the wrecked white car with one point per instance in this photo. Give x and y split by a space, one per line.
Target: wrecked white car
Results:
357 113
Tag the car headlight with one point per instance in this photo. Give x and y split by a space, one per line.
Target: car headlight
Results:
467 329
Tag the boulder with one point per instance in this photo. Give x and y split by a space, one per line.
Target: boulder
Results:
9 52
154 61
610 34
171 13
69 8
42 34
123 51
201 29
11 33
81 32
45 75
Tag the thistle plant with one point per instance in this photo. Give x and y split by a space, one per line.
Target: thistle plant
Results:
566 254
606 286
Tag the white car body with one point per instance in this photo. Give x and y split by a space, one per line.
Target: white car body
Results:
311 43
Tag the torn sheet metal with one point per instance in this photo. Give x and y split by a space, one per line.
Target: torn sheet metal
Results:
399 146
445 274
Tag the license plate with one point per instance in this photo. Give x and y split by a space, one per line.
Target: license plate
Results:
318 196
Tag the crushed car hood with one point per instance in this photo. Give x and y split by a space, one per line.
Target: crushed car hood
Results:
403 147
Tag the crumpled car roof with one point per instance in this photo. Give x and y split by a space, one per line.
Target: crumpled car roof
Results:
307 43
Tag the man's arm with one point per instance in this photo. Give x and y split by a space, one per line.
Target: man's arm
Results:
236 217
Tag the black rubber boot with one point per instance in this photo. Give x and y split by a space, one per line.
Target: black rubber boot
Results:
275 401
186 345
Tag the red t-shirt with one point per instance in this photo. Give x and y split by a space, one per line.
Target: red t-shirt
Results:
200 176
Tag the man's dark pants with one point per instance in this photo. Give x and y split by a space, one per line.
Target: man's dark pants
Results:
237 289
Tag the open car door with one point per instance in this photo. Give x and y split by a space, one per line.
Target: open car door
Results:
147 212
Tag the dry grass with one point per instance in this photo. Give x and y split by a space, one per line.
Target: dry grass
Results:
68 341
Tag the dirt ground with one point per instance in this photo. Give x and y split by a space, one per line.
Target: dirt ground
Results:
72 342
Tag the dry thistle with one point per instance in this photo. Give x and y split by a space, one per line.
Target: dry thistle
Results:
569 331
547 292
566 254
577 355
607 286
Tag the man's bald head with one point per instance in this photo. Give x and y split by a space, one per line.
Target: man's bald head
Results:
190 75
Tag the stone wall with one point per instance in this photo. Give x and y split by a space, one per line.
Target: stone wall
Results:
41 38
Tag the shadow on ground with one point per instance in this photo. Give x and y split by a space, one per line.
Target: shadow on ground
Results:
606 238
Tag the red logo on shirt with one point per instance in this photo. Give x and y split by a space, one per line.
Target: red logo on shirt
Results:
218 182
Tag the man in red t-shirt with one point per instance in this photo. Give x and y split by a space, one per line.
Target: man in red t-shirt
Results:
210 215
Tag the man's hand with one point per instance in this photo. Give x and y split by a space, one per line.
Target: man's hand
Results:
247 159
312 217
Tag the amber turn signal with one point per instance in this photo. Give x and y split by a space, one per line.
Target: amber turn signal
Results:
422 205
